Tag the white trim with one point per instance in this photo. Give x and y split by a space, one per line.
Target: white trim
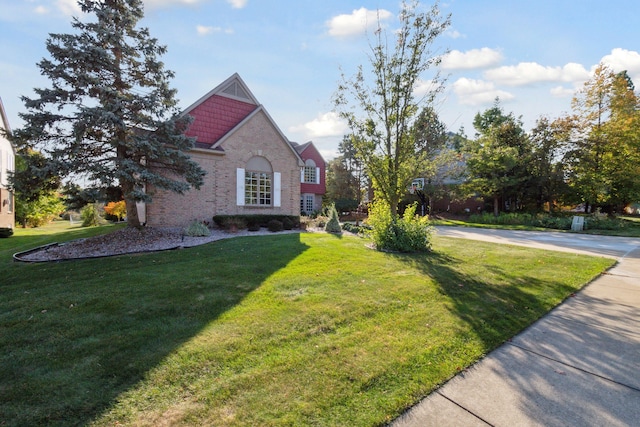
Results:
302 174
317 175
240 187
277 190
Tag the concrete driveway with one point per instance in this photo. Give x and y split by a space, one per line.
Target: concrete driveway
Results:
577 366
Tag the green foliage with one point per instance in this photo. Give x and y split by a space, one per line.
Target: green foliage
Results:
197 229
39 212
108 84
287 223
556 222
274 225
409 233
381 108
90 216
253 221
333 225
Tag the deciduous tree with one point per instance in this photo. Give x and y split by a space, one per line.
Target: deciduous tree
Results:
381 107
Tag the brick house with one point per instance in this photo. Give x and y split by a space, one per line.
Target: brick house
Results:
312 177
251 166
7 165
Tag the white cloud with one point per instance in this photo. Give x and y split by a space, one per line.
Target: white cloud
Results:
203 30
530 72
237 4
622 59
69 7
562 92
357 22
163 3
471 59
324 125
41 10
478 92
455 34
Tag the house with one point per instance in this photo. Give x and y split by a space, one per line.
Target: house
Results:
7 165
251 166
312 178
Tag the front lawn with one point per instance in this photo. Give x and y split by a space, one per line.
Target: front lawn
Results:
309 329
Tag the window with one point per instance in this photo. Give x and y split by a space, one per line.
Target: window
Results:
257 188
258 185
310 173
308 203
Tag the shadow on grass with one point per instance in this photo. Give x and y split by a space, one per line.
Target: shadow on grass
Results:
75 336
494 302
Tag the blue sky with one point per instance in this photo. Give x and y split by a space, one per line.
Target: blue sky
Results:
534 55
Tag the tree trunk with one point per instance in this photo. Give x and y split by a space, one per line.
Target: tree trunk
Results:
496 205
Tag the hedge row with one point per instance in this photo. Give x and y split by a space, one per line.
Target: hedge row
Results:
254 222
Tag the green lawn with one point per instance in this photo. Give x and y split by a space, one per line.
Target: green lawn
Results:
288 329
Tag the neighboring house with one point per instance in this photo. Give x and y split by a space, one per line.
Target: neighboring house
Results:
312 178
7 165
251 166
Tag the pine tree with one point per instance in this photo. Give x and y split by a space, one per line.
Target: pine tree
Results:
110 114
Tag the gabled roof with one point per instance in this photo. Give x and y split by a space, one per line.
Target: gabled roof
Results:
301 148
220 111
223 110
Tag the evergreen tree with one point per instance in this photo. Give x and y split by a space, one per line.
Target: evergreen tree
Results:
110 113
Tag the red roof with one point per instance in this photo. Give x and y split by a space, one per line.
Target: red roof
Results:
216 116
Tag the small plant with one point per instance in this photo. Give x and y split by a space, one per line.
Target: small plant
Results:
275 225
410 233
232 223
197 229
90 216
333 225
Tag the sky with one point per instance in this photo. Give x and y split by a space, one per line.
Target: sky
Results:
533 55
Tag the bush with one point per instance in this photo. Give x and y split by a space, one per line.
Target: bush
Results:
274 225
287 224
197 229
253 221
333 225
116 209
90 216
410 233
253 226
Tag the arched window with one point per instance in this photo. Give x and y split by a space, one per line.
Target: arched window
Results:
258 185
310 173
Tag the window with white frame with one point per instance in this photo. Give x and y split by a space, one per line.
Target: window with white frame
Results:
310 172
308 203
257 184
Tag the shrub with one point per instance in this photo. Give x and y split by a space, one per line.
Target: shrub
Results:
409 233
90 216
274 225
234 223
116 209
287 224
197 229
253 226
253 221
333 225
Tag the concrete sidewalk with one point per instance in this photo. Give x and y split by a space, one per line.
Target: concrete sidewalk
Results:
577 366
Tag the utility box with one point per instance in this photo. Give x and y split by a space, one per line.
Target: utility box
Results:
577 224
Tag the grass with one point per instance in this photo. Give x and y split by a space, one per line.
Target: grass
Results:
309 329
631 227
